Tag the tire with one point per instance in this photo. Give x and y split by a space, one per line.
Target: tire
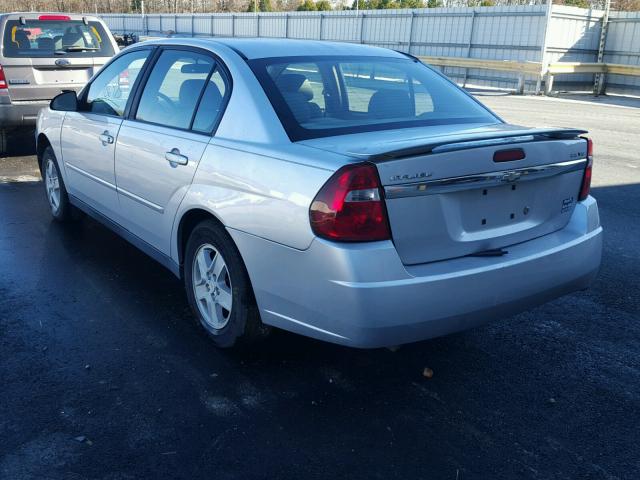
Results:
218 287
3 140
58 199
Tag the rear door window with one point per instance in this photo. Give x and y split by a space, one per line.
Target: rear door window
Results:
174 89
109 92
55 36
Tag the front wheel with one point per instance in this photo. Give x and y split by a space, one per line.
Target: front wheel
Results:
218 287
56 192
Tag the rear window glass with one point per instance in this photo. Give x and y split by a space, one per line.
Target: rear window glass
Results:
324 96
55 38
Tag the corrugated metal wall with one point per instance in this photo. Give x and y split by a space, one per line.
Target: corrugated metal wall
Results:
513 32
623 46
574 36
504 33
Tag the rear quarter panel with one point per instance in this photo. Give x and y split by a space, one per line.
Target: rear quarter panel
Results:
265 196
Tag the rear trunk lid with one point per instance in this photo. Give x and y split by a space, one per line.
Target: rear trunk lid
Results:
44 78
452 195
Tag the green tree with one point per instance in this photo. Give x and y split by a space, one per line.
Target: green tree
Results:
412 4
323 5
366 4
263 6
434 3
307 6
388 4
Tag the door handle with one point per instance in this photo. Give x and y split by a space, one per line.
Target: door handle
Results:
174 157
106 138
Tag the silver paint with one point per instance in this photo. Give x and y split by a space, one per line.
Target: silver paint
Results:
260 186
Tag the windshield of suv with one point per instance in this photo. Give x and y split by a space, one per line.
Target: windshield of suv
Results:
53 38
324 96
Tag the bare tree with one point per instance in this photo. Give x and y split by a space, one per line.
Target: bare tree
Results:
208 6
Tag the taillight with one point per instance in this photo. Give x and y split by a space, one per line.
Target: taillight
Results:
3 80
350 206
585 188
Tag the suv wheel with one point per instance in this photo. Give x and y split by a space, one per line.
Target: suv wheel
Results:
218 287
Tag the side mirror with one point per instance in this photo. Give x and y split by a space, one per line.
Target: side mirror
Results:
67 101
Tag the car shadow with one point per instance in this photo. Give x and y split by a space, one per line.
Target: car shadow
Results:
20 143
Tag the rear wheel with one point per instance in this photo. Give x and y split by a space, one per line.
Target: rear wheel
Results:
3 140
218 287
56 192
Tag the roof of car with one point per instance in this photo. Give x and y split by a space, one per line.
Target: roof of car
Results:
253 48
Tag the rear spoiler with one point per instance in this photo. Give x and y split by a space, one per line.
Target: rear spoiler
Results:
464 142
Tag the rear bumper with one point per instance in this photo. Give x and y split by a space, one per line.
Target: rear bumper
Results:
362 295
20 114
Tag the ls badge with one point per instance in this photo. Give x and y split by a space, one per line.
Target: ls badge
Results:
567 203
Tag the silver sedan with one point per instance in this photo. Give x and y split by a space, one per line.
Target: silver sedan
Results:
343 192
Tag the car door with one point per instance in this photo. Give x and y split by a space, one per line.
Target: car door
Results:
160 144
88 136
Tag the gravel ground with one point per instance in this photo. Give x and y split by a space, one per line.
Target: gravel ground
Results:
103 375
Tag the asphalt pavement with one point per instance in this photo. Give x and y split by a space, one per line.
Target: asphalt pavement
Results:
104 375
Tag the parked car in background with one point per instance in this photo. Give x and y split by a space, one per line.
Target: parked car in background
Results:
43 54
126 39
344 192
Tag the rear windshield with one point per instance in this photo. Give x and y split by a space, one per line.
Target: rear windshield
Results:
55 38
325 96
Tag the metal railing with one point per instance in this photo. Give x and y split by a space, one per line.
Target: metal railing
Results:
537 70
600 69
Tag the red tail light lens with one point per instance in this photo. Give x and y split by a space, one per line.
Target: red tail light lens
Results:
3 80
585 188
350 207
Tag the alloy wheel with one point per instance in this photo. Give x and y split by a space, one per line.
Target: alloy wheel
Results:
212 286
52 185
